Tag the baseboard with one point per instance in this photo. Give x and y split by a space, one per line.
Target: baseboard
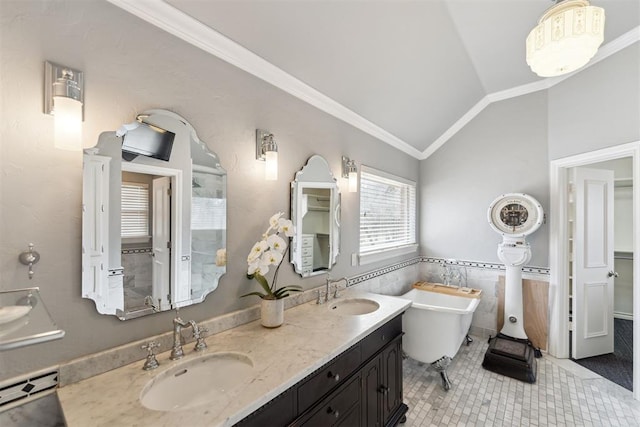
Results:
620 315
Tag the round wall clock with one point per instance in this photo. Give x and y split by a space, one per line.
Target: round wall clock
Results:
515 214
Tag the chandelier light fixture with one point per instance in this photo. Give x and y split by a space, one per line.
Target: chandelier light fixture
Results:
567 36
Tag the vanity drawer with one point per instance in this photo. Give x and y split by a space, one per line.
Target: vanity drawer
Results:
307 261
328 378
341 408
307 251
279 412
381 337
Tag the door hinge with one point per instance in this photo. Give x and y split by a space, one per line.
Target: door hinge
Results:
169 192
168 245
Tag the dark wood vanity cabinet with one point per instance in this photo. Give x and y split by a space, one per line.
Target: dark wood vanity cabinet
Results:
360 387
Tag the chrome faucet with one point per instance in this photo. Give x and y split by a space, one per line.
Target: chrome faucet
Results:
178 324
452 274
328 284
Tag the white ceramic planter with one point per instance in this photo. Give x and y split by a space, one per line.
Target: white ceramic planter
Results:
272 312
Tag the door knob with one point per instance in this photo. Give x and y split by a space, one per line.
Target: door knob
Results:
612 274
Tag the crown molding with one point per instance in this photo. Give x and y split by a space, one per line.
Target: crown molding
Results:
614 46
183 26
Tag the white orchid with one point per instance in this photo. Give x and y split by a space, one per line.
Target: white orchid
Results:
257 250
267 252
285 226
276 243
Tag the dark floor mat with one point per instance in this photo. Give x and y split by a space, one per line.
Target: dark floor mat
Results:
616 366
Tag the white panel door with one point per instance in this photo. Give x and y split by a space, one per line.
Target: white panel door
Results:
95 229
161 237
593 262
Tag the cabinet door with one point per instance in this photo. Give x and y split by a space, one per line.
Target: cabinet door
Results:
371 396
391 385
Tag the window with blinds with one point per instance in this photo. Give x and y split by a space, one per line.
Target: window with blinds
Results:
387 211
134 214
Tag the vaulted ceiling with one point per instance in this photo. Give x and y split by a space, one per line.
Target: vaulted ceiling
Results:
411 73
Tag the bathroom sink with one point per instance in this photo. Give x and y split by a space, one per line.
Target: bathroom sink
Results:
353 306
204 380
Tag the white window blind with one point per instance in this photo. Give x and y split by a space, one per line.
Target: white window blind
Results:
134 215
387 211
208 213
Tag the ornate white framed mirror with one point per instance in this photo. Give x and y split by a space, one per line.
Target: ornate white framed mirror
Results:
154 217
315 212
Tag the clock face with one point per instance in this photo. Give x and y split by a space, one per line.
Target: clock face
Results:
515 214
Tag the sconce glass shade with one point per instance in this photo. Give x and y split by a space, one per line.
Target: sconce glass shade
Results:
64 98
350 171
566 38
353 182
271 166
267 150
67 123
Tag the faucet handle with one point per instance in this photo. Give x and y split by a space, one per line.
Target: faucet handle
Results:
335 291
151 362
198 334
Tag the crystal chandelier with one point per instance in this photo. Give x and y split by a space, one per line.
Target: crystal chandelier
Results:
567 36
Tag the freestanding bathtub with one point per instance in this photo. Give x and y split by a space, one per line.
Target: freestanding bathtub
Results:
435 326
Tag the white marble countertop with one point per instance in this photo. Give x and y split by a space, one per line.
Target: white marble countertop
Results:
311 336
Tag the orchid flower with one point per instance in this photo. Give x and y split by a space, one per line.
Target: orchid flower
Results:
270 251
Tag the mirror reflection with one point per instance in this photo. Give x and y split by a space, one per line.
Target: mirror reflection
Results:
154 217
315 212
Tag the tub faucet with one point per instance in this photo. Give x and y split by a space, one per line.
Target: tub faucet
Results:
449 273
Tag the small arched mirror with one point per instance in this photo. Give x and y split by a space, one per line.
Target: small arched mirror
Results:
154 217
315 212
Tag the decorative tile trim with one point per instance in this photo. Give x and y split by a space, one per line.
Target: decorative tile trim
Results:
137 251
474 264
483 265
381 271
22 390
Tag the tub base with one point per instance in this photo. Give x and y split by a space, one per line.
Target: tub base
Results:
511 357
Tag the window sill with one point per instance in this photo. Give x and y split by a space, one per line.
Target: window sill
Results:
385 254
141 239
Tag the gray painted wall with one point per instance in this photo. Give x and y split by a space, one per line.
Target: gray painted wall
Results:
597 108
503 150
508 147
131 66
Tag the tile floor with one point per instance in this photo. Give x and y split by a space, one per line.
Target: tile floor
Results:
565 394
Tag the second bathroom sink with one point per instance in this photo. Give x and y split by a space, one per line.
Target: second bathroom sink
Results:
353 306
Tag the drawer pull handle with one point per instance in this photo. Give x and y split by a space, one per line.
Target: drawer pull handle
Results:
336 377
331 411
383 389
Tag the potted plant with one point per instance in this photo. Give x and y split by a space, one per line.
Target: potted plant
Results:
267 252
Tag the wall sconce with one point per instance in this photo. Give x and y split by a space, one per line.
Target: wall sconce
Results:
350 171
64 98
267 151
